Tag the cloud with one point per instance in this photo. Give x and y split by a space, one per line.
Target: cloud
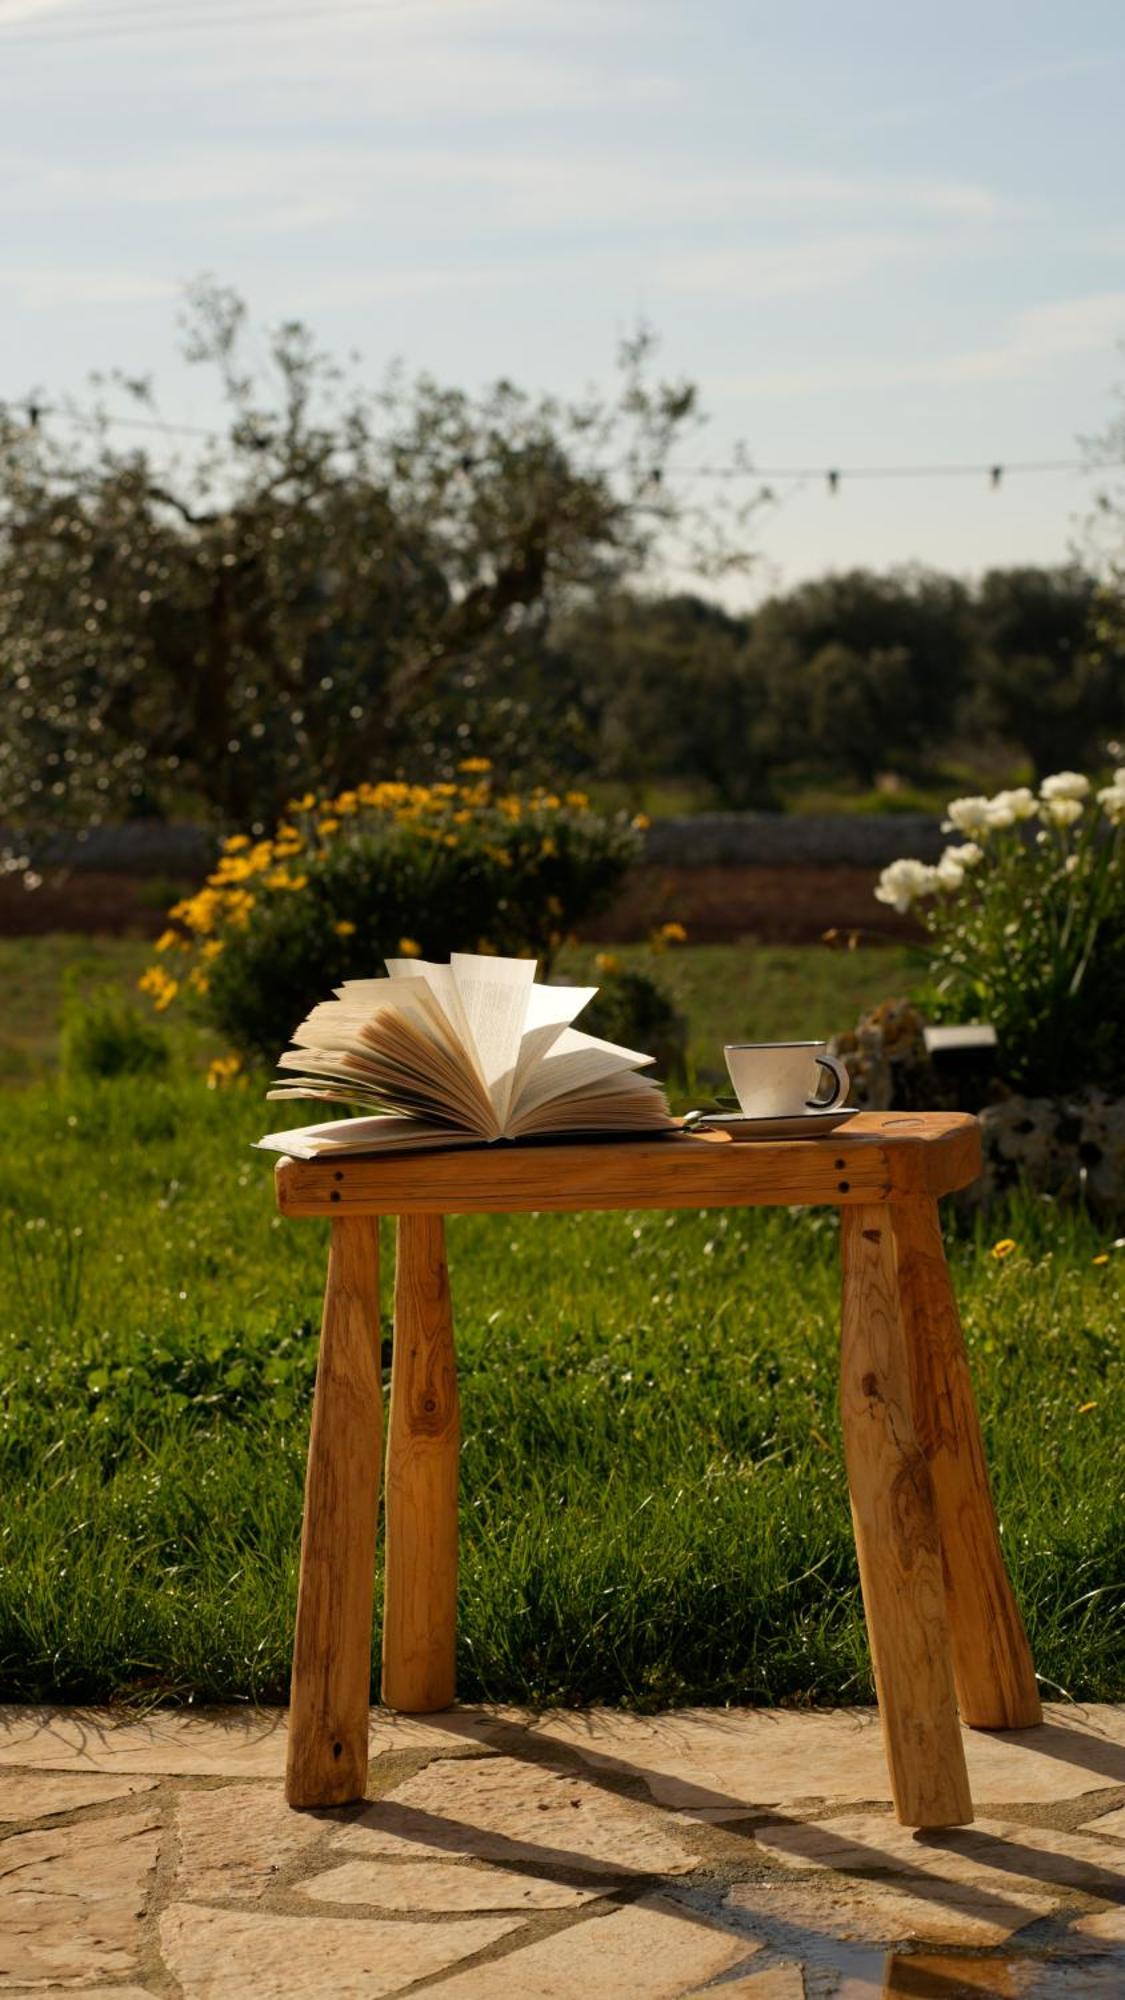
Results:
333 180
49 287
13 12
822 264
1038 337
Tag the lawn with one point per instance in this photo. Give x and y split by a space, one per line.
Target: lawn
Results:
727 992
653 1499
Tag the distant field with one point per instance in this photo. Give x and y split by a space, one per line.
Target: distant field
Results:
728 992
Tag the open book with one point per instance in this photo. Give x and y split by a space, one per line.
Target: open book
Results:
458 1055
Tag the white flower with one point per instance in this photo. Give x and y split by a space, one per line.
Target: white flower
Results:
967 855
1007 807
967 816
1070 864
1065 785
1060 811
950 873
904 881
1112 801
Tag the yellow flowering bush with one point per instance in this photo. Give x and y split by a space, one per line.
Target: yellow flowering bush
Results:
380 871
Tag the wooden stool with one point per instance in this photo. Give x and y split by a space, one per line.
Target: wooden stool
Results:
940 1611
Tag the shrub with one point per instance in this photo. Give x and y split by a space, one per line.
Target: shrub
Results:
382 871
1027 922
105 1036
633 1008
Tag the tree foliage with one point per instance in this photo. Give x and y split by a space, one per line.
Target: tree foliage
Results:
286 602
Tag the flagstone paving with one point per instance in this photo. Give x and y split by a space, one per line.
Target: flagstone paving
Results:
749 1855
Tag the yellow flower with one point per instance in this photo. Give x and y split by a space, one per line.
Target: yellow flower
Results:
327 826
1103 1259
198 980
607 963
303 805
235 843
579 800
162 987
211 947
344 928
1083 1408
238 907
409 948
673 933
548 848
346 803
222 1071
1003 1249
475 764
640 821
280 880
169 941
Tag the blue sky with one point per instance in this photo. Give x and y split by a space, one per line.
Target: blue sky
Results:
872 233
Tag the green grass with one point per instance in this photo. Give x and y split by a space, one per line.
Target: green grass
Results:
728 992
653 1499
749 992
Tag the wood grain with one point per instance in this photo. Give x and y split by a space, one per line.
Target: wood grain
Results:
897 1537
420 1605
992 1661
331 1691
878 1156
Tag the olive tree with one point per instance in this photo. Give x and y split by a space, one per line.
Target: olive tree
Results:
216 626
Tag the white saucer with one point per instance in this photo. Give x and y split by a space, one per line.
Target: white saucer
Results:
804 1125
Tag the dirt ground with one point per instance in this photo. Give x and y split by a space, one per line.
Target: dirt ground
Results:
780 905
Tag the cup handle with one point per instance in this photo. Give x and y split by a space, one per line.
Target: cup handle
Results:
841 1083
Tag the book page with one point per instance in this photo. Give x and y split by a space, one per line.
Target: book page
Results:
495 1004
575 1063
442 983
550 1011
364 1135
395 1056
623 1103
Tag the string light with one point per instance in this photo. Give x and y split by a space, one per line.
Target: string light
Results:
834 476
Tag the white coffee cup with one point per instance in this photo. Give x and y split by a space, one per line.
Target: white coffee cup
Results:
780 1079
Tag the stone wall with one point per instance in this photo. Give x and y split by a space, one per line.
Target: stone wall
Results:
701 840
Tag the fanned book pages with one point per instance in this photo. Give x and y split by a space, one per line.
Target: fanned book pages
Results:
462 1054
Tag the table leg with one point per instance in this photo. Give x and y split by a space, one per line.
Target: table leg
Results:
420 1605
328 1713
897 1537
992 1662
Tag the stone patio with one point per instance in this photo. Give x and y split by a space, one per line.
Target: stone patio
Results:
503 1856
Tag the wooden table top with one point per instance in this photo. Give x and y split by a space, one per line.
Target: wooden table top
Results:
878 1156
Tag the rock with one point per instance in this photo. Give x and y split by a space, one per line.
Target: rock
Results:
503 1809
652 1950
722 1763
1069 1147
891 1912
28 1795
887 1061
440 1885
71 1900
235 1841
994 1857
258 1957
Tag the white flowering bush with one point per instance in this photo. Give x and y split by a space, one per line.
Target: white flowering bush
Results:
1026 917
